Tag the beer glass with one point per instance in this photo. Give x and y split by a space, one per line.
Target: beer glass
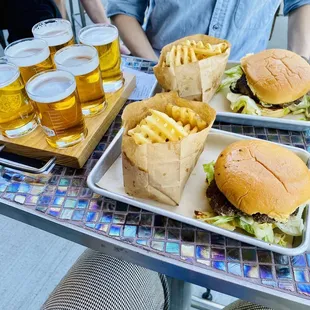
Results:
56 32
104 38
83 62
17 115
60 113
30 55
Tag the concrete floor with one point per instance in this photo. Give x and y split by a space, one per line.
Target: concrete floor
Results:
32 262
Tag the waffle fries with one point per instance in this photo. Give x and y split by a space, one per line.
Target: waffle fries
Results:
190 51
160 127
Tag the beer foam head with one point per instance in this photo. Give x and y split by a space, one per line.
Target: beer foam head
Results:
77 59
27 52
98 34
51 86
54 31
8 74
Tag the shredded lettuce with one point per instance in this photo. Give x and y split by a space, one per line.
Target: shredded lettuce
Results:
276 113
233 74
217 220
303 107
209 170
243 104
280 239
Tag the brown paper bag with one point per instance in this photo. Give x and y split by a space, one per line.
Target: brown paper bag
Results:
193 81
160 171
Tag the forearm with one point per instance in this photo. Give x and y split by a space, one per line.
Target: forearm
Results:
298 31
134 37
95 11
61 4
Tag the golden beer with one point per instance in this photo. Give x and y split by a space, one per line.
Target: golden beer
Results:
56 32
60 113
17 115
104 38
30 55
82 61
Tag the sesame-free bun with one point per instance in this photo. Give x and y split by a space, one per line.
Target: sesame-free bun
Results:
262 177
277 76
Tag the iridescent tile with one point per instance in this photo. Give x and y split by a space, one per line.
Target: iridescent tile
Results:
45 200
204 262
121 206
283 272
301 275
188 235
249 255
102 227
232 242
202 252
24 188
133 209
173 223
308 259
58 200
133 218
236 129
109 206
264 256
187 250
92 216
3 187
217 253
288 286
119 218
234 268
144 232
298 261
20 199
217 239
13 188
85 192
130 231
106 217
78 215
159 233
53 211
58 170
49 190
90 225
297 139
303 289
31 200
115 230
95 204
146 219
70 203
66 214
280 259
250 271
233 253
41 208
285 139
219 265
53 180
265 272
173 248
77 182
248 130
269 283
73 191
173 233
61 191
273 138
202 237
36 190
80 172
160 221
82 203
141 241
158 245
259 130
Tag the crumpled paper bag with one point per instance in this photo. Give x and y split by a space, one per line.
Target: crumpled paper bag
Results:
193 81
160 171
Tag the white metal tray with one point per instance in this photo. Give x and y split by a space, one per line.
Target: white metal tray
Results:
224 114
108 172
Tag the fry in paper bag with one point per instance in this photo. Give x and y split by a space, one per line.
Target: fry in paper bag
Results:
163 138
193 66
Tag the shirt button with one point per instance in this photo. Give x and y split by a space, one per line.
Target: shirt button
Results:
216 27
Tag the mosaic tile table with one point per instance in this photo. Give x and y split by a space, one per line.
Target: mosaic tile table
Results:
66 207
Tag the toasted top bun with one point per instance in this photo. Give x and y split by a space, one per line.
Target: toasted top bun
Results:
277 76
261 177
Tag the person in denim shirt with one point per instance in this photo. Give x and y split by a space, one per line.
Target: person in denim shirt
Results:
245 23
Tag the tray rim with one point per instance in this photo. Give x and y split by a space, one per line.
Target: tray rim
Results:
272 122
91 182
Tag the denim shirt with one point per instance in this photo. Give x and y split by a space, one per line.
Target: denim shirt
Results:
246 24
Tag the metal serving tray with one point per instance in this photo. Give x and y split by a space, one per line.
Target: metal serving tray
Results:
109 171
224 114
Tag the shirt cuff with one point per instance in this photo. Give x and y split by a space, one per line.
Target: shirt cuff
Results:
293 5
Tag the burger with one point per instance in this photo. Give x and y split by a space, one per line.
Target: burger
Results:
273 83
259 188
